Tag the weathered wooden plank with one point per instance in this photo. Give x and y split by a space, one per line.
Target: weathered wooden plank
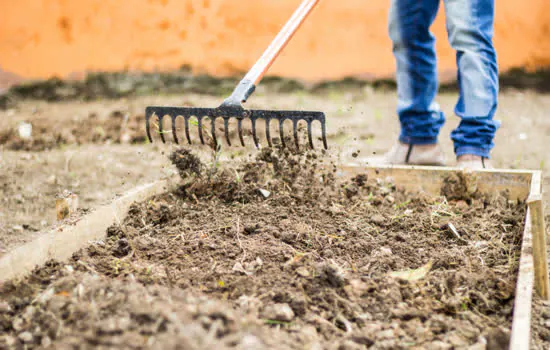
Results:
64 241
540 257
430 179
521 323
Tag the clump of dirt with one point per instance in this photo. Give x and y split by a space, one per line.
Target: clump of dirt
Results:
461 185
186 162
309 261
282 170
47 133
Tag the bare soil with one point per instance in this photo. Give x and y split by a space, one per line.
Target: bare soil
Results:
97 150
30 182
278 252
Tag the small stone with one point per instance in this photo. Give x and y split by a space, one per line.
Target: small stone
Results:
51 180
439 345
363 340
333 274
385 191
386 334
25 337
238 267
309 333
248 303
385 251
251 342
547 324
251 229
4 307
46 341
265 193
356 288
18 324
278 312
302 271
462 205
10 341
252 267
378 219
457 341
125 138
25 130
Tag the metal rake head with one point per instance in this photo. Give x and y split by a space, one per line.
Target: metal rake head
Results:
240 114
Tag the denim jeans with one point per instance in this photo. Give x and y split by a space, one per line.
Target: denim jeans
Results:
470 33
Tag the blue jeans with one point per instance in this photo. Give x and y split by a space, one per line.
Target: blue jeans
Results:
470 32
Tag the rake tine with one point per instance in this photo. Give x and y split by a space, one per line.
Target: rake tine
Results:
199 119
187 130
161 131
281 132
267 133
324 135
226 129
240 129
148 127
310 135
254 136
295 132
213 130
174 129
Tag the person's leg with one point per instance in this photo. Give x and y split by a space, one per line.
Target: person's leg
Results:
470 29
419 115
414 50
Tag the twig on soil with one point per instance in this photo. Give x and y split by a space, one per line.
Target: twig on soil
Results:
351 264
169 276
68 162
86 266
455 233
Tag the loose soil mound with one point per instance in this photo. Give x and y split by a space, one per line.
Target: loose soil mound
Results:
279 253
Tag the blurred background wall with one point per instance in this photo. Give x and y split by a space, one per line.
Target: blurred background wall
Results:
45 38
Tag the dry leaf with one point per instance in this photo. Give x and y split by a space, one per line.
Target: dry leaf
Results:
413 275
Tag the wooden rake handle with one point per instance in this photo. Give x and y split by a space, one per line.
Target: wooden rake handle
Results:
257 72
248 84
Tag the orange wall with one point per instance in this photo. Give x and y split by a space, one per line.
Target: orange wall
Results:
41 38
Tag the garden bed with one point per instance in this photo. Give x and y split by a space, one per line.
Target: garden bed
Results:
282 252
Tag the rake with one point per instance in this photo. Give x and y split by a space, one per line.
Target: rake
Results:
232 106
